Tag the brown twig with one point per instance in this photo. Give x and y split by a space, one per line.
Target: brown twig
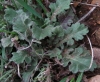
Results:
87 14
18 69
29 45
93 5
92 53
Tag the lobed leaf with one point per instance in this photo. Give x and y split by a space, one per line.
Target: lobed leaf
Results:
55 53
40 33
59 31
18 57
19 19
58 7
75 32
80 60
9 15
6 41
26 76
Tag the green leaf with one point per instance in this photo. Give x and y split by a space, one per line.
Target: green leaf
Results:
59 7
29 8
78 30
1 7
4 56
9 15
6 41
19 19
28 59
63 80
79 78
16 4
55 53
26 76
28 34
19 22
40 33
80 60
59 31
75 32
18 57
72 80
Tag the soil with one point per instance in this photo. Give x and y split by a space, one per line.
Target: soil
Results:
93 23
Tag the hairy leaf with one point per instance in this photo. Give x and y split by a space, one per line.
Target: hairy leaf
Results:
19 19
40 33
19 22
6 41
55 53
68 20
58 7
28 59
9 15
75 32
26 76
80 60
18 57
59 31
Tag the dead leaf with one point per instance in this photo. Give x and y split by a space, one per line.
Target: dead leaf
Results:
95 79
